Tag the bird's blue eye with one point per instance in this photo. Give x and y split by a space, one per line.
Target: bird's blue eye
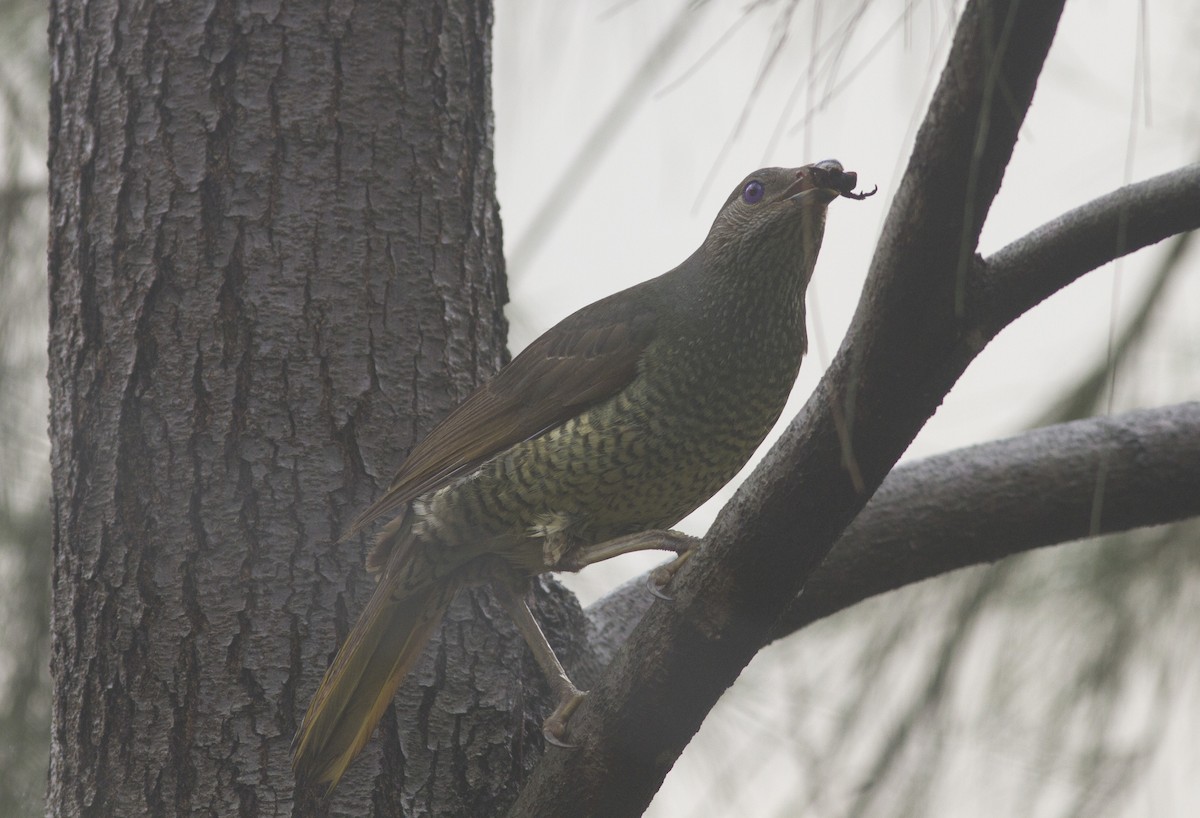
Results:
752 193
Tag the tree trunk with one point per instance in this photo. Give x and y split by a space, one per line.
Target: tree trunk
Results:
275 261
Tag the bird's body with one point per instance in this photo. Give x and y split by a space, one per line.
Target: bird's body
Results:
623 418
643 458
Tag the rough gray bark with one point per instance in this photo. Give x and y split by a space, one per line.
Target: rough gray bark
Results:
274 263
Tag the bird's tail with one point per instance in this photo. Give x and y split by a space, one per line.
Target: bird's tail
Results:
383 646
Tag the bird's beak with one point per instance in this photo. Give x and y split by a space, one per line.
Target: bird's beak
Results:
823 182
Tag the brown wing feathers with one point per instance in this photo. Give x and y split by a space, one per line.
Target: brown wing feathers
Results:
586 358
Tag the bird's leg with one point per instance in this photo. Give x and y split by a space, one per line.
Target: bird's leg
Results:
568 696
652 540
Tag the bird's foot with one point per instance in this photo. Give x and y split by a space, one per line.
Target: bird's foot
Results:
663 574
554 728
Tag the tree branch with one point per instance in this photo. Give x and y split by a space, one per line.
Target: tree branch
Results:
986 502
1047 259
981 504
896 364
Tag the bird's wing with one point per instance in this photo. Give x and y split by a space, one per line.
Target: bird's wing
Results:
587 357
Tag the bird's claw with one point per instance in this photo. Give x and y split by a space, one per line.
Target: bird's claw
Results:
554 728
654 585
663 574
551 738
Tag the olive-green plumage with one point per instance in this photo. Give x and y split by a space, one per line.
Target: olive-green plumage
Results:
624 417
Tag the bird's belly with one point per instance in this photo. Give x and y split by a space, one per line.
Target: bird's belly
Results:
620 467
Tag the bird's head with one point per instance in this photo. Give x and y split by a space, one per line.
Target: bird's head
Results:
779 213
